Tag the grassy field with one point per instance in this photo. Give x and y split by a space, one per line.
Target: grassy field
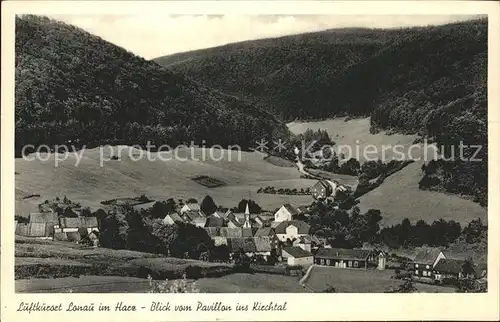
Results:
361 281
399 196
89 183
234 283
47 259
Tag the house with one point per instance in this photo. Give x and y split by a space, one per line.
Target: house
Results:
425 260
251 246
172 218
291 229
143 206
230 232
323 189
35 229
307 242
327 189
189 216
190 207
214 221
285 213
448 269
50 219
297 256
343 258
200 221
232 222
268 232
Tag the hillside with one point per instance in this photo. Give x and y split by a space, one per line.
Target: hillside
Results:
399 195
429 81
72 86
89 183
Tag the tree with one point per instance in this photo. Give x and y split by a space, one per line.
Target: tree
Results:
208 205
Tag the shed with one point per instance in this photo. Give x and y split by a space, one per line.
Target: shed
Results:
297 256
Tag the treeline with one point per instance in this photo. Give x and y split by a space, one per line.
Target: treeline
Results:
75 88
439 233
342 225
430 81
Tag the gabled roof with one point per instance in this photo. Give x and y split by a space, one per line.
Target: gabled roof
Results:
262 244
190 215
230 232
192 206
143 206
264 232
45 217
246 244
427 256
291 209
214 221
71 222
302 227
275 224
212 231
449 266
297 252
175 217
343 253
90 222
246 232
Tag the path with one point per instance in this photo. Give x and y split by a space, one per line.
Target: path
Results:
303 280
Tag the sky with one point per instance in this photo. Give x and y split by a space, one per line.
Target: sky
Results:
154 36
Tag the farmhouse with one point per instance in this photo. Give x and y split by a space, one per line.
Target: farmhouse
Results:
297 256
343 258
327 189
268 232
448 269
171 219
143 206
425 261
251 246
291 229
307 242
214 221
190 207
285 213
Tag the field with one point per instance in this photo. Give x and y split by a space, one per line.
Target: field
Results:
54 259
234 283
361 281
89 183
399 196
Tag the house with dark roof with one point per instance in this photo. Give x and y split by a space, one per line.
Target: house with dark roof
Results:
285 213
143 206
297 256
344 258
268 232
291 229
448 269
214 221
425 260
250 245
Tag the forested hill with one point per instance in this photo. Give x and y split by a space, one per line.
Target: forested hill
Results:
71 85
431 81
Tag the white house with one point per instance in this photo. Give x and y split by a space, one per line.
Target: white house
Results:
297 256
285 213
291 229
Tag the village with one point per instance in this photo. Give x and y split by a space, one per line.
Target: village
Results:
266 239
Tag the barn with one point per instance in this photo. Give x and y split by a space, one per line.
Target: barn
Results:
297 256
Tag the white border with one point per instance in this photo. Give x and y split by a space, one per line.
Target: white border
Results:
317 307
